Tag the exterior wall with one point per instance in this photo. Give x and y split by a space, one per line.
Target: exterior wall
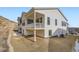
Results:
56 30
18 24
23 27
25 32
53 14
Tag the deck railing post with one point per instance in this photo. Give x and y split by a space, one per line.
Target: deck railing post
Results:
34 26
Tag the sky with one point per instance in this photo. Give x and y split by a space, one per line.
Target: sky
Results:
12 13
72 14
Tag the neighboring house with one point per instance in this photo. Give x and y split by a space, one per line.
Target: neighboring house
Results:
44 22
73 30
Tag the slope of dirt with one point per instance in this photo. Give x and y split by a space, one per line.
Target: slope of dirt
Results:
5 26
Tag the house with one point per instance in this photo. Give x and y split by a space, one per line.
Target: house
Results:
73 30
44 22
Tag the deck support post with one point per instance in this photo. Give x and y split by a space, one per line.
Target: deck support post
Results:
34 26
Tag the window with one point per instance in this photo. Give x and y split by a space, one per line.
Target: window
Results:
50 32
29 21
48 20
56 22
64 23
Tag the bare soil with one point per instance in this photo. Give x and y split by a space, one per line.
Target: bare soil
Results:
23 44
54 44
62 44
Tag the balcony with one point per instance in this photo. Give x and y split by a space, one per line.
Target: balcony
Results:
37 26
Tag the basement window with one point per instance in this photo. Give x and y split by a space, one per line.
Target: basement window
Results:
50 32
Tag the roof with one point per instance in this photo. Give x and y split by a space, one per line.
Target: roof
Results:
48 8
43 8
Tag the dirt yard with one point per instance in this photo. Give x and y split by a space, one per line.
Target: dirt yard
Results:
3 39
54 44
26 44
62 44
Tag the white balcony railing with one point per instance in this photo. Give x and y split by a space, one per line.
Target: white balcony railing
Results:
38 25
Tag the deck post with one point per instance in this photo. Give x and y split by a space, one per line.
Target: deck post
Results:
34 26
39 23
